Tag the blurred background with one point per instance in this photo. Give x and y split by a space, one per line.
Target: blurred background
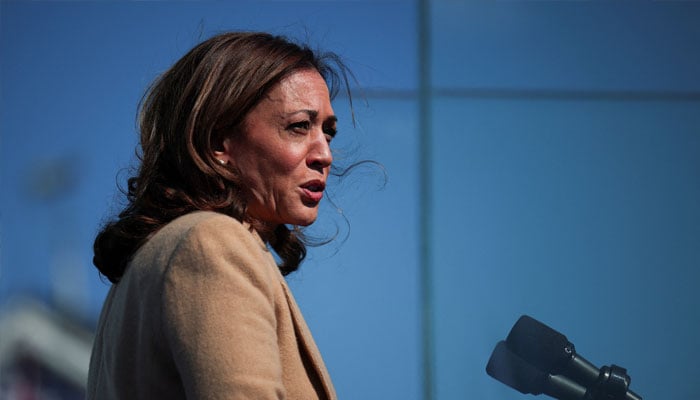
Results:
541 158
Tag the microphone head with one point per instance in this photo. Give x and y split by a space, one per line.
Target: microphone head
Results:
510 369
542 346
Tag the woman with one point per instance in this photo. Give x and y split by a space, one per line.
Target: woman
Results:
234 149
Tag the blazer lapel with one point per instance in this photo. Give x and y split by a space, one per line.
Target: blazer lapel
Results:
307 344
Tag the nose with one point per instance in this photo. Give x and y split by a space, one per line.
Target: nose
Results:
320 156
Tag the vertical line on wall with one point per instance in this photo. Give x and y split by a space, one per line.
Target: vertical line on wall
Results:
425 193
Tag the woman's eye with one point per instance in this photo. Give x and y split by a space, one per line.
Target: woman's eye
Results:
330 133
300 126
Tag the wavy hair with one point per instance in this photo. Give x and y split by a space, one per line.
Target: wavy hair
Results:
205 96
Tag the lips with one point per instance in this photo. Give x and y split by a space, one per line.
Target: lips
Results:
313 191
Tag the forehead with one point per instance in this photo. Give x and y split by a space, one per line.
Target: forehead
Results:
303 89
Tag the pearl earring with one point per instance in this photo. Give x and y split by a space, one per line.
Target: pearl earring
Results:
222 162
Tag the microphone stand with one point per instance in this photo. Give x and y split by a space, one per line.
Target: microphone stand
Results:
612 384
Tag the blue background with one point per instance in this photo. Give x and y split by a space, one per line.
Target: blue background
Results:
564 176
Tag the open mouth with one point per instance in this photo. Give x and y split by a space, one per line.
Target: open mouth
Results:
314 188
313 191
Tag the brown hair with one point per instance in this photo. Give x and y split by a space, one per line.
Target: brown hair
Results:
183 115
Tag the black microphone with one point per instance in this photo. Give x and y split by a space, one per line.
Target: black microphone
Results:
512 370
551 352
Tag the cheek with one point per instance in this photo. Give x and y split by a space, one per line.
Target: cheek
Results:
275 171
287 161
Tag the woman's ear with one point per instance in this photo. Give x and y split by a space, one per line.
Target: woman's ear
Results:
222 151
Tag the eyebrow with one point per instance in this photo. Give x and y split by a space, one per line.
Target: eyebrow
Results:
313 114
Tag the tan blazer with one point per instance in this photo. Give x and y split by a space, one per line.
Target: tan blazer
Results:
203 312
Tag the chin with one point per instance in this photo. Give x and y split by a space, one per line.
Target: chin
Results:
304 220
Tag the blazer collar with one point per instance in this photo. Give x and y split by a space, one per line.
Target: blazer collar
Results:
309 345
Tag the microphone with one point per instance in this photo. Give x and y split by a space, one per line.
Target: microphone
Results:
550 351
510 369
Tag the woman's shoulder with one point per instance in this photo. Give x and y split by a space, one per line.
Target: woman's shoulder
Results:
202 220
209 226
213 249
201 237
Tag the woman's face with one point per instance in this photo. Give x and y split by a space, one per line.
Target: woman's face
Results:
283 154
